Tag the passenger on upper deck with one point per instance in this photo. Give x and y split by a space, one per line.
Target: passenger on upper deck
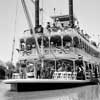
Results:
48 26
67 45
23 46
54 27
80 72
62 26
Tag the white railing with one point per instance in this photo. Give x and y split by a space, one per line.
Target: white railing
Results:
16 76
28 53
65 75
45 52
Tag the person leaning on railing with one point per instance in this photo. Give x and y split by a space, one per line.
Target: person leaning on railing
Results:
23 69
48 27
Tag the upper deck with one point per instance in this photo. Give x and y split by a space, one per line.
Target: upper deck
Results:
62 20
60 40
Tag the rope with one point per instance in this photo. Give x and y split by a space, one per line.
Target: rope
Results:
30 25
13 45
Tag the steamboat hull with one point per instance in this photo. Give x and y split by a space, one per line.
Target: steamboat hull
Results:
45 84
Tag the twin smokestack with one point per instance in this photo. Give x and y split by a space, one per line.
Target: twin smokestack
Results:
36 13
71 21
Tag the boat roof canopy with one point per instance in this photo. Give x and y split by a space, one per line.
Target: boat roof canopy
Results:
61 18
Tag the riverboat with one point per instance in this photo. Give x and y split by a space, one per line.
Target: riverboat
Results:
56 56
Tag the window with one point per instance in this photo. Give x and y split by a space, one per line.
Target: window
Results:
55 41
45 41
67 41
30 43
75 42
22 44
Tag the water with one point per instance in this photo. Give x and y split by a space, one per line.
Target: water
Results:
91 92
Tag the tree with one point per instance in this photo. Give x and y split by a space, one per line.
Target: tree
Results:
11 69
3 70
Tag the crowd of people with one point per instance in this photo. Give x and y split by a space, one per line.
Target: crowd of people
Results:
46 71
49 67
56 26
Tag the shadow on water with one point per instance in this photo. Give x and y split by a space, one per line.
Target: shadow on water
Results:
91 92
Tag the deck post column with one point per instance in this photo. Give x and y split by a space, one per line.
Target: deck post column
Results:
55 64
74 70
84 68
35 70
74 67
62 41
42 64
49 45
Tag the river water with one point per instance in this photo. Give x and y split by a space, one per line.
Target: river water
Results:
91 92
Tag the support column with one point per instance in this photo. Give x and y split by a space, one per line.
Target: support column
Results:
62 42
36 13
55 65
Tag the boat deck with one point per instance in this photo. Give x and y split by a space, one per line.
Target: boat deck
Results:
12 81
44 84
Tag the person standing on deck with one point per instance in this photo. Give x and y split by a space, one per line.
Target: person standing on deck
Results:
38 69
23 67
95 71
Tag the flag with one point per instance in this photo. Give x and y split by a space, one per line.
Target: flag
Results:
41 9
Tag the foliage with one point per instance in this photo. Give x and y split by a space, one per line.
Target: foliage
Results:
10 69
10 65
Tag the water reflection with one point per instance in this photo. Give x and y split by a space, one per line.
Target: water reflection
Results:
87 93
80 93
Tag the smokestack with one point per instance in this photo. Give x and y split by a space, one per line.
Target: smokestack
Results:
71 20
36 13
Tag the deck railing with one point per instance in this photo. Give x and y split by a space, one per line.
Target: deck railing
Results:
65 75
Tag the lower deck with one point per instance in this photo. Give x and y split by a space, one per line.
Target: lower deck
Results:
45 84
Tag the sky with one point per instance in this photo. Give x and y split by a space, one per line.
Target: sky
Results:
13 21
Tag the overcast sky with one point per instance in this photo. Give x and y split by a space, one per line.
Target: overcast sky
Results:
87 12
